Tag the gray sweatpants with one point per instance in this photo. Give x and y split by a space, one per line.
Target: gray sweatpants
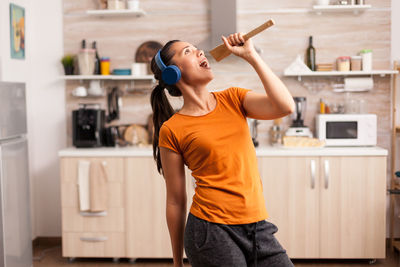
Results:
219 245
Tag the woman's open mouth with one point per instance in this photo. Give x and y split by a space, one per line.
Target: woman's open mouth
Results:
204 64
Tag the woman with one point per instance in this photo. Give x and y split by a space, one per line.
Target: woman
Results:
226 225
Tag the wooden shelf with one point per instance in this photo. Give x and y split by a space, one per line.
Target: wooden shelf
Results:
343 73
382 73
108 77
89 96
341 8
116 13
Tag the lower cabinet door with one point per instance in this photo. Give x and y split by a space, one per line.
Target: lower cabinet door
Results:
146 227
93 244
353 209
291 194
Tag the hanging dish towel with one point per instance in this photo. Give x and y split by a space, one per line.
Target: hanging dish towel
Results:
98 186
83 185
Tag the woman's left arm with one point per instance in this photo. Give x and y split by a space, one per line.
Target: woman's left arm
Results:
278 102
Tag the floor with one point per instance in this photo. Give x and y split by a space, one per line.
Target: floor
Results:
48 254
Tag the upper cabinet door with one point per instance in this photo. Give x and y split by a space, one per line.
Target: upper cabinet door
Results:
291 193
352 214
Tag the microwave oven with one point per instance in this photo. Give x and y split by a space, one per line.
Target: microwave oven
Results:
347 129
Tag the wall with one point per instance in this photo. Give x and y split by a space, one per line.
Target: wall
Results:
334 34
45 99
12 69
120 37
47 117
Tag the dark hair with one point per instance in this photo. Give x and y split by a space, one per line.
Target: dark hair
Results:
162 109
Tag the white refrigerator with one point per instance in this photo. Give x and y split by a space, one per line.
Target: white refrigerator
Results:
15 222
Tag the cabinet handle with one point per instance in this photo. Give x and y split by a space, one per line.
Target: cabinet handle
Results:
94 239
312 165
93 214
326 163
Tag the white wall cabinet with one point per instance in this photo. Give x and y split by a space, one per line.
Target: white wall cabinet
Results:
324 207
327 207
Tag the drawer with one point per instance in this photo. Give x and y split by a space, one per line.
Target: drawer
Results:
114 169
113 220
87 244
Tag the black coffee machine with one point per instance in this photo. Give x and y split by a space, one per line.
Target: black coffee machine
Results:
88 125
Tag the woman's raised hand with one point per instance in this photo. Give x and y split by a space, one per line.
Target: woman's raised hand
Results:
238 46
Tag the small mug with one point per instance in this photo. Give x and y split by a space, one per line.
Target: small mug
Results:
79 91
139 69
95 88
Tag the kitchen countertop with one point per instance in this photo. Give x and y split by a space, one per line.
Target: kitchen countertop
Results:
260 151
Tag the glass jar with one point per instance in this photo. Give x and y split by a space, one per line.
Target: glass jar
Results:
356 63
343 64
275 135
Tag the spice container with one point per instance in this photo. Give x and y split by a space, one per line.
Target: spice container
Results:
327 108
343 64
356 63
105 66
337 108
321 107
366 55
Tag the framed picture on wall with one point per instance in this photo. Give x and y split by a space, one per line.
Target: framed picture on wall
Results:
17 31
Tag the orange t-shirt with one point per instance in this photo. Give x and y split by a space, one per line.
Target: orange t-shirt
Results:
218 149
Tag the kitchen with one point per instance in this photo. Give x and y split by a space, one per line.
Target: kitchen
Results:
339 31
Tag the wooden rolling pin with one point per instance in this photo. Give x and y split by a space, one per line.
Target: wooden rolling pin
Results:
220 52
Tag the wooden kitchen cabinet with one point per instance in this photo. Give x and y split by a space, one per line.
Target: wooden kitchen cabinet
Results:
87 234
146 227
324 207
327 207
291 194
352 207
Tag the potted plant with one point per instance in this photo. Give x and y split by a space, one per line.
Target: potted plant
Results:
68 63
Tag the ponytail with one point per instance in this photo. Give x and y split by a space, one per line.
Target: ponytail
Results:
162 109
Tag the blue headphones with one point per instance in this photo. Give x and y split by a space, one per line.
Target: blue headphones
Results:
170 74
